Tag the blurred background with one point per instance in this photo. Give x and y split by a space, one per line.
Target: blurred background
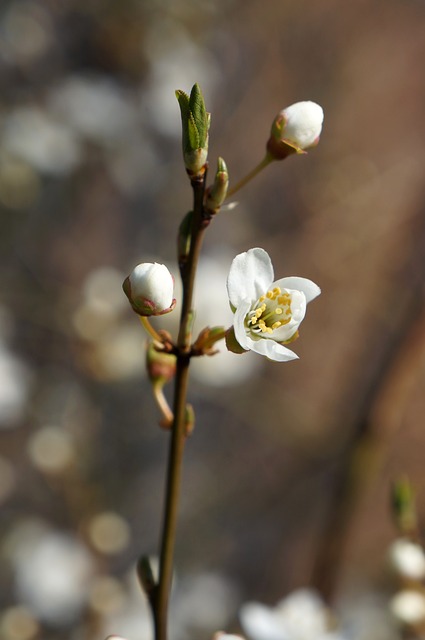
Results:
288 472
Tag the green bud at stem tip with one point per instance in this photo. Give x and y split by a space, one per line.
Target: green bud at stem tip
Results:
217 193
195 125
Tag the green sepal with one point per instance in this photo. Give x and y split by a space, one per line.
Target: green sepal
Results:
231 343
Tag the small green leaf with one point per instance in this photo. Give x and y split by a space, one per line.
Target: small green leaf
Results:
198 111
193 134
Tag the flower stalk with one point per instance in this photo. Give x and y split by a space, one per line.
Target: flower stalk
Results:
249 176
179 426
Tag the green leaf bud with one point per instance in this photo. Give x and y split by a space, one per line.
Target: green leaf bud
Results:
216 194
195 125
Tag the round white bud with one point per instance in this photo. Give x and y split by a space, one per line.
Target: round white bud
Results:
302 124
150 289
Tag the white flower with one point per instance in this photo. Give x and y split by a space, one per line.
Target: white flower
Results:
150 289
408 559
267 312
296 128
408 607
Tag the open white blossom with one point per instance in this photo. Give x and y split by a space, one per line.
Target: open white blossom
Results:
267 313
150 289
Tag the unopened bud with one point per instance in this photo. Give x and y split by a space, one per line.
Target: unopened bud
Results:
195 125
161 367
150 289
295 129
216 194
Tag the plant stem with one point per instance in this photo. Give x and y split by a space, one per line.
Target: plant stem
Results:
264 162
178 433
162 403
149 328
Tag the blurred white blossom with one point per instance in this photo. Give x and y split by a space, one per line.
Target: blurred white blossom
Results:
408 607
300 616
201 603
47 145
96 107
408 559
175 60
52 574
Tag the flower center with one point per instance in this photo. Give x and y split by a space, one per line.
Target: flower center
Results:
271 311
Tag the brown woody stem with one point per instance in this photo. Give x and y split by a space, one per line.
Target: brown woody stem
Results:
178 433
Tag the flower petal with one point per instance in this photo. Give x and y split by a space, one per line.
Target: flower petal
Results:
239 325
273 350
308 287
250 276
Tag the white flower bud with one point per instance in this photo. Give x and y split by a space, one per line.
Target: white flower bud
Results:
150 289
296 128
408 559
408 607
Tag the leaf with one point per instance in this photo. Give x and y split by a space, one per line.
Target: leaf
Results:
198 111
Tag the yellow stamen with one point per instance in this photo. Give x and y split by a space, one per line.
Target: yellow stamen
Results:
276 325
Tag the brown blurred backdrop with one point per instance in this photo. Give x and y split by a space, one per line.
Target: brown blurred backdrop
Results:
91 183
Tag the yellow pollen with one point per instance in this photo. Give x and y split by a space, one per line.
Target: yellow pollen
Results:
262 298
277 291
288 311
284 299
269 295
278 311
276 325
